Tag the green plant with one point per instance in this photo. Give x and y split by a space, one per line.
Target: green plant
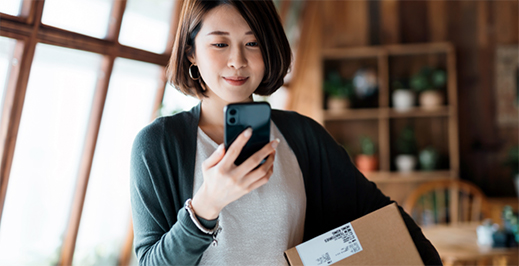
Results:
367 146
428 79
399 84
406 142
335 86
510 222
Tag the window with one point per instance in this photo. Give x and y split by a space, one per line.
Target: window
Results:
146 26
77 106
11 7
48 150
90 17
174 101
106 214
6 61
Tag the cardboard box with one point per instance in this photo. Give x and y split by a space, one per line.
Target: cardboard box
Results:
378 238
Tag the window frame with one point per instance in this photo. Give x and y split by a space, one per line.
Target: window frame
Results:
28 31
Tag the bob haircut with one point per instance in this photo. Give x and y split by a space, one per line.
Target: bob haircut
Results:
262 18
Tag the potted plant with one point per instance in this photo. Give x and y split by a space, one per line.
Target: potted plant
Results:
428 158
429 83
367 161
405 161
403 98
339 91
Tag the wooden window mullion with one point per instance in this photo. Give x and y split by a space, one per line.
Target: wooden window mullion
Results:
126 252
127 248
13 102
94 125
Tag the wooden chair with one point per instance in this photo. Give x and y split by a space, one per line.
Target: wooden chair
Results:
446 202
452 202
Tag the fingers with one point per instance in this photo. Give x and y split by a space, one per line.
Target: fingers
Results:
253 179
214 158
254 160
234 150
263 179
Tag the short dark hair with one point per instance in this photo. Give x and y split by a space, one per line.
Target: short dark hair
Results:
262 18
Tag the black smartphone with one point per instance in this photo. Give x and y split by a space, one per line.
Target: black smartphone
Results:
240 116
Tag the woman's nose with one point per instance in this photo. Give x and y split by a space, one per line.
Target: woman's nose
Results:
237 59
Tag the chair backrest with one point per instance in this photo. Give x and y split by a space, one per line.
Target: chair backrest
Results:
446 202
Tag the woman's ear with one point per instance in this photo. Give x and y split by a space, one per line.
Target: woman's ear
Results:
191 58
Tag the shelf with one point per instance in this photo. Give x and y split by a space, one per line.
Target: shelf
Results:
415 176
383 123
420 112
357 52
352 114
377 113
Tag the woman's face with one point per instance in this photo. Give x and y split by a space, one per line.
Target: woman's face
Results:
228 56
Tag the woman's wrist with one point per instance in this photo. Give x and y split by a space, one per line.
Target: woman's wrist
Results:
203 207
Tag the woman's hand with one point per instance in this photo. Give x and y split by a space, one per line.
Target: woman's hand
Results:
224 182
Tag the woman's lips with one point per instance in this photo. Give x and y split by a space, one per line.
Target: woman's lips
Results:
236 81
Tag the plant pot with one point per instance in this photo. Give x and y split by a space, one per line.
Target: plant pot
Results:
428 159
403 99
431 99
405 162
366 163
338 104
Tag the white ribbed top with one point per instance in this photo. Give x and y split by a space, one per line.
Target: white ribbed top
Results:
261 225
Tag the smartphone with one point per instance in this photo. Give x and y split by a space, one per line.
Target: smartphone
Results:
240 116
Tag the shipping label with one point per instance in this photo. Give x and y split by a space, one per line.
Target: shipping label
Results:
330 247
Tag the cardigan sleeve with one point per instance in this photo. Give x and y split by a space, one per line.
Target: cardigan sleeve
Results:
163 235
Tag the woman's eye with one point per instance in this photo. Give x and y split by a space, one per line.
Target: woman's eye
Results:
252 44
220 45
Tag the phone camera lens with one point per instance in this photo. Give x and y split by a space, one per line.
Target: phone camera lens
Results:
232 120
232 112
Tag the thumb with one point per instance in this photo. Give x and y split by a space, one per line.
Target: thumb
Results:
214 158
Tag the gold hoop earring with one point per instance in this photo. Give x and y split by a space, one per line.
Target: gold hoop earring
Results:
191 74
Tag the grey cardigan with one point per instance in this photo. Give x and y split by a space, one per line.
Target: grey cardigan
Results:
162 176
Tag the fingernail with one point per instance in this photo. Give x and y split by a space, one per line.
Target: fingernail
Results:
220 148
275 143
248 132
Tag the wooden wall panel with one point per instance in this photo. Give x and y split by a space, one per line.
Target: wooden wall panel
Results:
437 20
413 21
305 88
350 23
506 26
389 22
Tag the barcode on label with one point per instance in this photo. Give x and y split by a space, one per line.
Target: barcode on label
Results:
355 247
330 247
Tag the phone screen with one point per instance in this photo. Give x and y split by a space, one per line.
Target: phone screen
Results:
240 116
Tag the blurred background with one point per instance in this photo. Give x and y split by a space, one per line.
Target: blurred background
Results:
415 91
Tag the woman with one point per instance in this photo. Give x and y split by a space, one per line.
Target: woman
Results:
187 193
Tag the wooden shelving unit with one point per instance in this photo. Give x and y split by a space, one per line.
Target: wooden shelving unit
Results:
381 119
